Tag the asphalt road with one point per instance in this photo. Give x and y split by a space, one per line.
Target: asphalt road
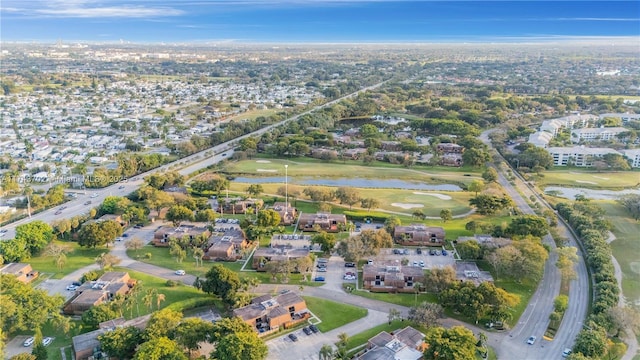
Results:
535 318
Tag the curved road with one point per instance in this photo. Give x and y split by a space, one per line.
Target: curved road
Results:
535 318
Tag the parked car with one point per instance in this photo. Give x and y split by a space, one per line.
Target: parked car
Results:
322 269
88 202
444 252
46 341
349 277
415 263
323 260
369 262
58 212
313 328
432 252
531 340
71 287
397 252
421 263
93 196
307 331
293 337
349 264
76 283
180 272
321 266
138 226
121 187
406 251
319 278
419 251
566 352
29 341
437 252
125 235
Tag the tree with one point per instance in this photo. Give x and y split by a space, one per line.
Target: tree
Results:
394 314
446 215
623 320
241 346
456 343
178 214
426 314
39 350
326 240
254 190
134 244
469 249
490 204
391 222
107 260
490 175
114 205
476 186
221 281
475 157
528 225
58 252
228 326
97 314
347 195
14 250
191 332
439 279
591 342
631 202
121 342
37 234
162 323
369 203
326 352
99 233
161 348
567 258
198 254
206 215
268 218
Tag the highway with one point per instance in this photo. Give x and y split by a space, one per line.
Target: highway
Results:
535 318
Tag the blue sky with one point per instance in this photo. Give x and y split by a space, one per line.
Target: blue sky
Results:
314 20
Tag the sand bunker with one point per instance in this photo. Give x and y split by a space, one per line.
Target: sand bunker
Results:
586 182
439 196
263 161
407 206
266 170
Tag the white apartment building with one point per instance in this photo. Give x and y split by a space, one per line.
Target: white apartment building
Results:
596 134
625 117
634 155
578 155
540 138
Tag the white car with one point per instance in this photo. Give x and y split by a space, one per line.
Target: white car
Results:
29 341
71 287
93 196
180 272
566 352
46 341
531 340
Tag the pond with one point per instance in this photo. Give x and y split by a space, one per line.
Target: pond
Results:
570 193
353 182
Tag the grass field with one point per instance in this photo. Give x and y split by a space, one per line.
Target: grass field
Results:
78 258
626 247
590 179
333 314
363 337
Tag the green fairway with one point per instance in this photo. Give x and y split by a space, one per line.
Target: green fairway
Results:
333 314
589 179
79 257
626 248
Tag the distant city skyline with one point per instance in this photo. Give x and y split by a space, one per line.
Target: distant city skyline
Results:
315 21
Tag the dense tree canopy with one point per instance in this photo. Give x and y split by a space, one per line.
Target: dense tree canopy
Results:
221 281
99 233
457 343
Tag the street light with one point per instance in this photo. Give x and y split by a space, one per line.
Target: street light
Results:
286 191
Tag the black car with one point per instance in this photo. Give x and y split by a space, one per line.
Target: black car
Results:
419 251
313 328
307 331
293 337
349 264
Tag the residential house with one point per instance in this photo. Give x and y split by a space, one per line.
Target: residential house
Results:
86 345
238 205
353 154
94 293
405 344
449 148
287 212
322 153
267 314
113 217
625 117
23 272
162 236
281 253
540 138
226 245
419 235
634 156
391 277
322 221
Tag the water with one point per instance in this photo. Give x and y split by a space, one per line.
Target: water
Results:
570 193
353 182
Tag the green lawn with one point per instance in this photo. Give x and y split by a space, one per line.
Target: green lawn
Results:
398 299
626 247
589 179
78 258
333 314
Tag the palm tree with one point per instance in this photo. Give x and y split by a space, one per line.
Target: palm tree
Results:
416 287
393 315
198 253
159 298
326 352
147 299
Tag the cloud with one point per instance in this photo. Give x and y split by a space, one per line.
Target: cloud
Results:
89 9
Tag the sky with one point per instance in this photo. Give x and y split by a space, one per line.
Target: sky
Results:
314 21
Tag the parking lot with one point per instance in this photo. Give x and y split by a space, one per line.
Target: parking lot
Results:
430 261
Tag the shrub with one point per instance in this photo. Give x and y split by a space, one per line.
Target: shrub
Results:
171 283
147 256
91 275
